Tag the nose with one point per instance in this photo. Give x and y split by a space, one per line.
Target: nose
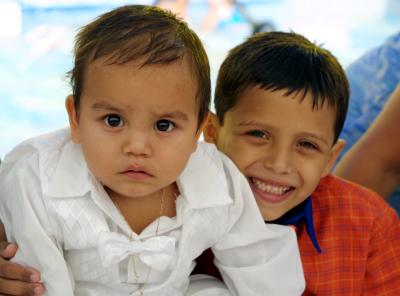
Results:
137 143
278 159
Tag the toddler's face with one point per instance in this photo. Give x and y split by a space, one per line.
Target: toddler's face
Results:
137 126
281 145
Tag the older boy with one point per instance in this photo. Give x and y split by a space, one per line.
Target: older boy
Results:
280 104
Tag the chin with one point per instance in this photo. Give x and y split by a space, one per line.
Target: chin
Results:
268 216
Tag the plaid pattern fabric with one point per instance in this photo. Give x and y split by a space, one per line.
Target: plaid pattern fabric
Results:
359 235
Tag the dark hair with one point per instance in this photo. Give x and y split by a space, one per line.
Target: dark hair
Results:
283 61
136 32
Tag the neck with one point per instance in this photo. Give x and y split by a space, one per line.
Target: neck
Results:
142 211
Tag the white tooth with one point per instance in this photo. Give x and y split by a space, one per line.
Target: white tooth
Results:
277 190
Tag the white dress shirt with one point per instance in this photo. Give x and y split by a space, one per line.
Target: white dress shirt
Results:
67 227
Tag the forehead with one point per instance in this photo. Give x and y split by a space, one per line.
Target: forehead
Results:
165 82
293 113
138 67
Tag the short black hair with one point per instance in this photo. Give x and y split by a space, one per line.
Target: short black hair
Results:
283 61
134 32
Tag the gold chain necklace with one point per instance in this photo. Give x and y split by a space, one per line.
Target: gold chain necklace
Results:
135 274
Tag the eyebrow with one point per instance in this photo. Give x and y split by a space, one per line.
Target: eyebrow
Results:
105 106
266 126
174 114
316 136
255 123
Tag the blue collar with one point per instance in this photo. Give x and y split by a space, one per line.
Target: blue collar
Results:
300 213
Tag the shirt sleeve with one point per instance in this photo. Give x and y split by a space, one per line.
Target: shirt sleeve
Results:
382 275
24 215
255 258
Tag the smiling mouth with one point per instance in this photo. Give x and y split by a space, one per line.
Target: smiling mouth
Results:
269 188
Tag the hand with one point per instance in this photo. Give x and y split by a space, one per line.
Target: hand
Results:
16 279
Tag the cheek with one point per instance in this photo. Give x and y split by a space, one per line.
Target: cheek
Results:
94 145
172 165
97 159
240 160
311 175
100 154
242 156
174 157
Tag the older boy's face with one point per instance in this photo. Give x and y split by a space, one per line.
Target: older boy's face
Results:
137 126
281 145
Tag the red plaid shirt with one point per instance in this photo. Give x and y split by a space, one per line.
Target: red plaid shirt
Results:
359 235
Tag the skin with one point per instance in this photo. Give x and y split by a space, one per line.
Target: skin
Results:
380 146
280 144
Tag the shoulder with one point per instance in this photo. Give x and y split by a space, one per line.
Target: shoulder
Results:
222 168
210 179
208 158
226 181
210 152
21 186
342 199
32 159
203 182
34 147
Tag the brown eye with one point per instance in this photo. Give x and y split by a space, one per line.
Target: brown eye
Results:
113 120
164 125
258 134
308 145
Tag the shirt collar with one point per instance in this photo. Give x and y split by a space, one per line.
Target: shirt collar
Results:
301 213
203 183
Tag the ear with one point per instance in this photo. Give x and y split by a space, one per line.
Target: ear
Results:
211 129
199 132
73 117
333 155
203 125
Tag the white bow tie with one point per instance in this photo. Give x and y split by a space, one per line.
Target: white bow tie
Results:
155 252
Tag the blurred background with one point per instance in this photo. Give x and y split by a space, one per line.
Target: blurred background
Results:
36 39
